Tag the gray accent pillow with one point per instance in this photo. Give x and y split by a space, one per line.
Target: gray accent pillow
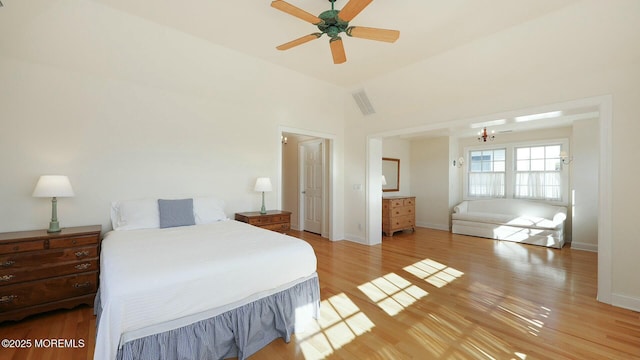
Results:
176 213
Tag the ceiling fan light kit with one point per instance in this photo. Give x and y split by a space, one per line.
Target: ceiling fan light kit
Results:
333 23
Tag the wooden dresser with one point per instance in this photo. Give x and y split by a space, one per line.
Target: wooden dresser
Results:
41 271
398 213
275 220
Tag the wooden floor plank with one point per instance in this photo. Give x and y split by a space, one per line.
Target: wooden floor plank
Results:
424 295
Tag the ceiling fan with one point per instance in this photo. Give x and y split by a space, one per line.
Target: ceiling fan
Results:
333 22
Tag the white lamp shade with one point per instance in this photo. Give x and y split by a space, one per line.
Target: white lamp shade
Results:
53 186
263 184
384 180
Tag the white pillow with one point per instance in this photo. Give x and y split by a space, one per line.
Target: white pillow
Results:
135 214
208 209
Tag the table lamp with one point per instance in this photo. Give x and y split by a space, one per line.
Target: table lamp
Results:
263 184
53 186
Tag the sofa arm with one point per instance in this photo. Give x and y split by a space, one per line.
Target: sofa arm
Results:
460 208
560 216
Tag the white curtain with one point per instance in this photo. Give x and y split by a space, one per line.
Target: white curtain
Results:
538 185
487 184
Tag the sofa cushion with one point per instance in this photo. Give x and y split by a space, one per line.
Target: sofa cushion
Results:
531 222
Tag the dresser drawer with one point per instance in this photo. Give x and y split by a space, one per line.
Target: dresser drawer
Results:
72 241
43 291
401 211
43 258
22 246
402 222
11 276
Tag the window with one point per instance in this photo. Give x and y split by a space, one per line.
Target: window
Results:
525 170
487 173
538 173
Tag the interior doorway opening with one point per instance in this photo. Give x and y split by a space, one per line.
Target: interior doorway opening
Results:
306 181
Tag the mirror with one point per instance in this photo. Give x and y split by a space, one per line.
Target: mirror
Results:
391 173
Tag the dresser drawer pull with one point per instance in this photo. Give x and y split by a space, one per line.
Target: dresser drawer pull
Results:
82 285
81 254
7 299
7 263
7 277
84 266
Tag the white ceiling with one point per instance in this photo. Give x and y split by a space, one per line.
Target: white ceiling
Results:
427 27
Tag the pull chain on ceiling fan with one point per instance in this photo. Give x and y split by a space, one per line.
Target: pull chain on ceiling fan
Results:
333 23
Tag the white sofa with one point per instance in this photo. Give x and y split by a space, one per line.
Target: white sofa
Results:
523 221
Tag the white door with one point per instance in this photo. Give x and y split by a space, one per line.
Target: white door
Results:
311 179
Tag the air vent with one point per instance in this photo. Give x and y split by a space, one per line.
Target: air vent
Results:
363 102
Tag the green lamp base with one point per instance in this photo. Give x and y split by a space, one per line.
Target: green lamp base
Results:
54 227
263 209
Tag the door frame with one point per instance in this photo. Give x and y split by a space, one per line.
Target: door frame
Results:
331 224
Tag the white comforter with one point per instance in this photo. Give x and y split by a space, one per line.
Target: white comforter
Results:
152 276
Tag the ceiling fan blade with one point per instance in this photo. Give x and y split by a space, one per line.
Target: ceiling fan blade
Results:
296 11
364 32
337 50
352 9
299 41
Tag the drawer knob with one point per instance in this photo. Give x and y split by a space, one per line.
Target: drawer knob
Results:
74 241
7 277
7 299
81 254
84 266
7 263
82 285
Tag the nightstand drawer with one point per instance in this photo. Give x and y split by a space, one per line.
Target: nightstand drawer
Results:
44 258
277 227
265 220
72 241
11 276
11 248
36 292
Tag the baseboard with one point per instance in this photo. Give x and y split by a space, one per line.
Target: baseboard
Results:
584 246
626 302
442 227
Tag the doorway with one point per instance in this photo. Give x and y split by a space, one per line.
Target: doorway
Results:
307 181
604 228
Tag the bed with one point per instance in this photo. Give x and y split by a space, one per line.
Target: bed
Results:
213 289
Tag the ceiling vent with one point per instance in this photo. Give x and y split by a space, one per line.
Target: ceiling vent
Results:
363 102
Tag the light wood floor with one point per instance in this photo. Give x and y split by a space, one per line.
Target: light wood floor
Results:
425 295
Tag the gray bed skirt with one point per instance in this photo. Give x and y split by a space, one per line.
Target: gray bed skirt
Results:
239 332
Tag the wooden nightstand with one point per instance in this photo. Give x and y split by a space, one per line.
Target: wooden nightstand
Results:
40 271
275 220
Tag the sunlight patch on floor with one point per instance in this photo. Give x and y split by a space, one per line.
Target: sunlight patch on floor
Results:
392 293
433 272
339 323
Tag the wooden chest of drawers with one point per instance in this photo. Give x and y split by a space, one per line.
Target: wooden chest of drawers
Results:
275 220
398 213
41 271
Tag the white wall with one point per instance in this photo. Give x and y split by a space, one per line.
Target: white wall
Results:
430 179
399 149
584 178
587 49
127 109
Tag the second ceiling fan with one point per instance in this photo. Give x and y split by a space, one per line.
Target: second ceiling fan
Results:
333 23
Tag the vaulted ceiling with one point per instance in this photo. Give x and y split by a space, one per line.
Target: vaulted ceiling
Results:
427 27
